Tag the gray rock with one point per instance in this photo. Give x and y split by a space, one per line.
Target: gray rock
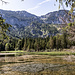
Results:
33 67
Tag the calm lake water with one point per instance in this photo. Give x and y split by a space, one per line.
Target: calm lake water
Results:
37 65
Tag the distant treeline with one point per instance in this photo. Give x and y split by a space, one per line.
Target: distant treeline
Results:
37 44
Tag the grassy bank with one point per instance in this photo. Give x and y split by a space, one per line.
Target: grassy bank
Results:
40 53
50 53
12 51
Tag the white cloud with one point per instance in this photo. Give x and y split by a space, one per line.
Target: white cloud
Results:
38 5
43 2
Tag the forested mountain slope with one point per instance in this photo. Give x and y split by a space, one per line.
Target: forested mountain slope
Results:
25 24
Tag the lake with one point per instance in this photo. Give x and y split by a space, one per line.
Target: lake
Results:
37 65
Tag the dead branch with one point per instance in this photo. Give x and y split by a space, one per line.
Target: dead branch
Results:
3 2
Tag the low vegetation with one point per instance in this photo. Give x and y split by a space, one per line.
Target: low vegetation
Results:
57 53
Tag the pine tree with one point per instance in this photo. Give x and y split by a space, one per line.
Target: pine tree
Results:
54 39
22 43
25 44
36 45
1 46
58 42
18 46
64 40
51 42
7 47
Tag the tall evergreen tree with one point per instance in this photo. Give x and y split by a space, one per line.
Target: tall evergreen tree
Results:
54 40
25 44
51 42
18 46
58 42
7 47
64 40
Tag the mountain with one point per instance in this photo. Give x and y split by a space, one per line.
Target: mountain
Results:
20 18
55 17
25 24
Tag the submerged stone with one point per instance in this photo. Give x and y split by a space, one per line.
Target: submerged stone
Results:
33 67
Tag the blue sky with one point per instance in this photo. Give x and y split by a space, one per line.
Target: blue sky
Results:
37 7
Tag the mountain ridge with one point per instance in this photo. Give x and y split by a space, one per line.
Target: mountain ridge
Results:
25 24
